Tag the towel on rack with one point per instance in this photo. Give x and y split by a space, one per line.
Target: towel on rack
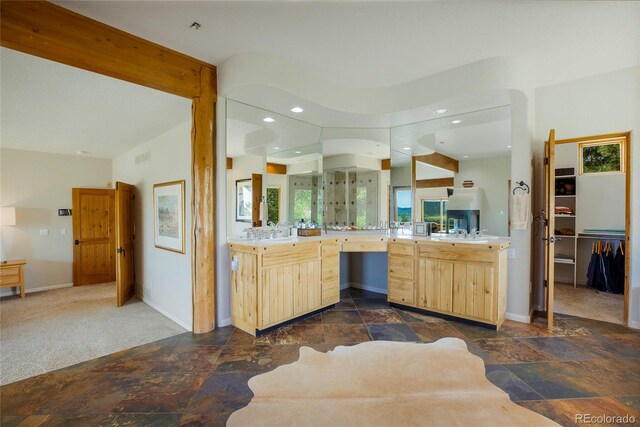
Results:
521 211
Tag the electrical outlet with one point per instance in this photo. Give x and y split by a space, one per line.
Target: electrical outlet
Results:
511 253
44 232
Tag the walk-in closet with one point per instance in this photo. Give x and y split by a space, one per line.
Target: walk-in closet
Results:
590 222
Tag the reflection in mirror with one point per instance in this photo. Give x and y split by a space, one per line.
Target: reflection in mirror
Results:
458 170
282 159
355 178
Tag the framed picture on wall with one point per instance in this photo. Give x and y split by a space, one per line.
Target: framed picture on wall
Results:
243 200
168 207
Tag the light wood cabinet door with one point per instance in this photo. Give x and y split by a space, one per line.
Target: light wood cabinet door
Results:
289 291
435 284
244 292
474 291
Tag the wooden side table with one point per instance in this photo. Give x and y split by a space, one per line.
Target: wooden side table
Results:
12 275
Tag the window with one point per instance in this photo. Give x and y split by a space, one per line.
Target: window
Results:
302 205
273 205
435 210
601 157
403 204
361 207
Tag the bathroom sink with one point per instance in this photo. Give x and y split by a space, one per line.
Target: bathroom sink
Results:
245 240
459 240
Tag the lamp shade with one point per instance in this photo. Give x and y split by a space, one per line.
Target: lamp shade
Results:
8 215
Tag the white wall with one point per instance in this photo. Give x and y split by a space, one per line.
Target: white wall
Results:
38 184
606 103
163 278
243 168
492 176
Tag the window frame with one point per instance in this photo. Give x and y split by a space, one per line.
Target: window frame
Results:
620 142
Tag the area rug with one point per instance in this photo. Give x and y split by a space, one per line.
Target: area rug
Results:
383 383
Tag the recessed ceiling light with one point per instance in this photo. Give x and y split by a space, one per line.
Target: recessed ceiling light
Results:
298 152
455 122
276 148
440 111
81 152
508 146
466 157
268 119
297 110
406 148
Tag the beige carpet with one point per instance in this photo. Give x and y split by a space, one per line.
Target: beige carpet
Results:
53 329
587 302
383 383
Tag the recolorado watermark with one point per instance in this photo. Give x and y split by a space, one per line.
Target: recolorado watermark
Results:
605 419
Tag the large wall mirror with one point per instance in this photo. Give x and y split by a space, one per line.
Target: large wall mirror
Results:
452 173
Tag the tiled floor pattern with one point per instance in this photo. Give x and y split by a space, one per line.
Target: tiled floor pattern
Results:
581 366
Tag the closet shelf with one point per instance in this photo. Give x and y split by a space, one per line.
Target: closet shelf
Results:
565 195
564 261
565 176
564 216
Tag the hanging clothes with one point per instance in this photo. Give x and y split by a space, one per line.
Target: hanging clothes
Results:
619 269
593 271
606 262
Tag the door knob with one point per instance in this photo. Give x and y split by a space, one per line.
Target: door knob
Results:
552 239
76 242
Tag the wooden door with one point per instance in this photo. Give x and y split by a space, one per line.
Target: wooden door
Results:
125 284
93 236
474 291
550 207
289 291
435 284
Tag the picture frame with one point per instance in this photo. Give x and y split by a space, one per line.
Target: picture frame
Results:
420 229
169 216
243 200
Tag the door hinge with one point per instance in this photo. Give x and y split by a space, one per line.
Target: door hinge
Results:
546 283
546 160
133 196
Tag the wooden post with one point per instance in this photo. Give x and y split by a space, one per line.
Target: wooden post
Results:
203 203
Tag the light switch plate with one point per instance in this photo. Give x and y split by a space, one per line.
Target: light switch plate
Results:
44 232
511 253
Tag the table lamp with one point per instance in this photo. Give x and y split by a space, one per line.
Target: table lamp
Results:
7 217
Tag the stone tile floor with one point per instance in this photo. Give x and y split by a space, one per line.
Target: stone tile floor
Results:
581 366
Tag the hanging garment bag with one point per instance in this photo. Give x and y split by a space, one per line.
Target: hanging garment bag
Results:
594 266
607 268
619 269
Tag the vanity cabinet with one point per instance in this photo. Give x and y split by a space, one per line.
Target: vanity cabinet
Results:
330 271
275 283
467 281
402 266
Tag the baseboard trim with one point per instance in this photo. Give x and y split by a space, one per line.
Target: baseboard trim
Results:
633 324
164 312
369 288
518 318
224 322
11 291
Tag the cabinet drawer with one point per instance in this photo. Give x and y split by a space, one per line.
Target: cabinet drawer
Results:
364 247
331 271
9 280
330 292
10 271
401 268
401 291
402 249
290 257
330 250
455 254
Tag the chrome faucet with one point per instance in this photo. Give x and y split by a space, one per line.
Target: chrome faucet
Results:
462 233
